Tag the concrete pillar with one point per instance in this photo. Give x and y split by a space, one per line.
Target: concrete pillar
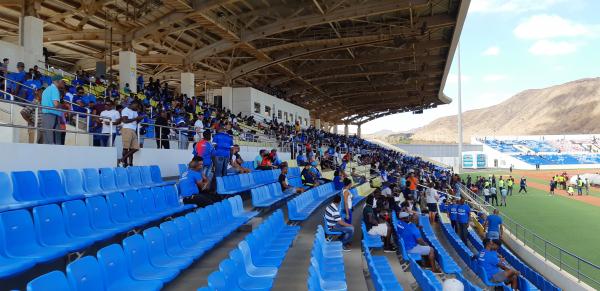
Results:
128 70
227 98
32 40
318 123
187 84
358 133
335 128
346 132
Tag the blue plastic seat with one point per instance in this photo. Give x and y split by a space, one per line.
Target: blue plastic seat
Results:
26 188
235 272
172 198
116 274
117 207
91 178
138 244
53 281
157 176
13 266
146 174
155 240
122 179
107 179
182 169
135 177
51 229
135 209
245 258
73 182
186 238
78 224
138 261
100 219
7 200
175 246
84 275
52 186
18 238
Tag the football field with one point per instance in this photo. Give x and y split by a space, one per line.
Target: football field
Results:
573 223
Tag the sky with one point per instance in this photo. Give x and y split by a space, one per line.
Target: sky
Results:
508 46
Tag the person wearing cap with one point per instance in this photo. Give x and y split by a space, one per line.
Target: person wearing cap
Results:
377 225
50 117
495 266
414 243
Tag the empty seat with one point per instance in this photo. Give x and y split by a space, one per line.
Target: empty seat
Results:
84 275
135 209
100 216
138 261
52 281
146 172
107 179
73 182
26 188
7 200
182 169
122 179
51 229
78 222
135 177
116 274
51 186
91 183
159 256
157 176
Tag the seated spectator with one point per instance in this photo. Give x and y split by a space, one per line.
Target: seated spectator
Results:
377 225
266 163
358 179
301 159
274 158
235 164
334 222
495 266
259 158
285 187
193 182
493 224
415 244
308 177
338 182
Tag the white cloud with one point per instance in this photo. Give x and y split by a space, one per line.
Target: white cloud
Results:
498 6
453 78
491 51
494 77
553 48
550 26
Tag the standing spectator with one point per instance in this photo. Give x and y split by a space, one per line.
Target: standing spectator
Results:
493 224
28 113
503 194
453 214
431 198
495 266
336 223
579 186
494 196
376 225
414 243
463 216
130 119
523 185
106 116
198 127
140 83
223 142
412 185
509 185
486 194
204 149
346 209
50 117
162 131
552 186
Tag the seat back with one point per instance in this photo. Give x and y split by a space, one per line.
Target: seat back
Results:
117 207
160 198
134 203
156 175
16 231
97 209
52 281
107 179
122 178
218 281
112 264
135 176
49 224
6 190
76 217
26 186
135 250
73 182
91 179
51 184
148 204
155 240
84 275
182 169
171 195
146 176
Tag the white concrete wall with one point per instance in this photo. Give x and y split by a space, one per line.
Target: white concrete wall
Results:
242 102
128 70
188 86
15 53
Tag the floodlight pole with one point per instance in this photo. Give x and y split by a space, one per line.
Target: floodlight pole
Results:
460 127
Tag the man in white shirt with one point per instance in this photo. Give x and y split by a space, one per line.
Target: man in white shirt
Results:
199 128
130 119
431 198
109 114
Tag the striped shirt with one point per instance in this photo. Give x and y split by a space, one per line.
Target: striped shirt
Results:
332 215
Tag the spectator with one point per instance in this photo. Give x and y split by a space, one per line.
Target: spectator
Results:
463 216
412 183
336 223
182 134
198 127
109 114
377 225
259 158
338 182
162 131
274 158
29 114
266 163
346 205
453 214
495 266
204 149
503 194
127 90
130 119
50 117
308 177
493 196
493 224
193 185
414 243
301 159
223 142
235 164
285 186
523 185
432 198
358 179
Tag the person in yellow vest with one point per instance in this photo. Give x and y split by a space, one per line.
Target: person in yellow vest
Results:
570 190
579 186
509 185
500 184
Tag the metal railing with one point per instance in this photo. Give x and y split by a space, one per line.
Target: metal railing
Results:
580 268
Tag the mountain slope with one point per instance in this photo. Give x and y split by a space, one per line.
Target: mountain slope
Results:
568 108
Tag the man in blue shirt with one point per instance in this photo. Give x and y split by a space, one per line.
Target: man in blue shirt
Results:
493 223
308 177
193 182
463 212
204 149
452 213
223 143
495 267
50 117
414 243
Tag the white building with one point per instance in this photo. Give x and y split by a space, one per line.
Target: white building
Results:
262 106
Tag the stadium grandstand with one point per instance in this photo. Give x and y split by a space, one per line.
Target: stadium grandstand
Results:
194 145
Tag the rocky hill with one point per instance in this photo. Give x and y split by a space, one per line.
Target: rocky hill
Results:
570 108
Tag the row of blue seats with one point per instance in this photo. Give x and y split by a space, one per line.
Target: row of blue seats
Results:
326 270
370 241
380 270
400 242
253 265
446 262
524 283
148 262
267 195
242 182
23 189
303 205
425 278
57 230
